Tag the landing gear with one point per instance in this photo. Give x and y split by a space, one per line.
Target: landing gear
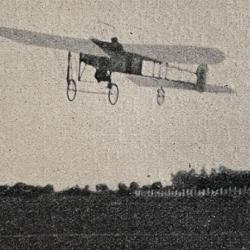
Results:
71 90
105 76
160 96
75 73
71 83
113 94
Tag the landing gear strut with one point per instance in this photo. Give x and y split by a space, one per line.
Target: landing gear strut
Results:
71 84
74 76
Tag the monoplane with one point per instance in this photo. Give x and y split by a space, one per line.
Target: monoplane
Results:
147 61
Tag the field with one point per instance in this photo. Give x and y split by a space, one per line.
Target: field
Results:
111 221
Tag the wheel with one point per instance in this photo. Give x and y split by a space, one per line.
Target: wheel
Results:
71 90
113 94
160 96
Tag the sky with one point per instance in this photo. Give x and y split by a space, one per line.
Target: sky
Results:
45 139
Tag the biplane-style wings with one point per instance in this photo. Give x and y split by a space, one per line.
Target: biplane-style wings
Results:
76 45
177 53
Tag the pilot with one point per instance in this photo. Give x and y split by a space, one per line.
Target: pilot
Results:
102 71
116 46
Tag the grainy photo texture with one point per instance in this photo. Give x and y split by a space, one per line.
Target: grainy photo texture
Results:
124 124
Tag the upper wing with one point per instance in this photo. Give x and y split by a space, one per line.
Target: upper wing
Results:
177 53
76 45
153 82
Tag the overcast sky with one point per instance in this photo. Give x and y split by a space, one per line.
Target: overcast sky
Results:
44 139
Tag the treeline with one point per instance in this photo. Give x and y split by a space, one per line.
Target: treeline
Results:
220 178
24 190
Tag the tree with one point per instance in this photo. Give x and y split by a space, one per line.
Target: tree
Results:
221 178
202 179
184 179
122 188
134 186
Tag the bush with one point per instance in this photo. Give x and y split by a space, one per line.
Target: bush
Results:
48 189
156 185
76 191
122 188
101 188
146 187
134 186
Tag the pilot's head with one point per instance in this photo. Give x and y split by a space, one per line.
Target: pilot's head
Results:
114 40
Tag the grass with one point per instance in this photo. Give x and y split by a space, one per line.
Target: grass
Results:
108 220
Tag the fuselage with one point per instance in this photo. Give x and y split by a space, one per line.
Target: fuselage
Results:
118 61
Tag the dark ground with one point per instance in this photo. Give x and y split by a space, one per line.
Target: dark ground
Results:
111 221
